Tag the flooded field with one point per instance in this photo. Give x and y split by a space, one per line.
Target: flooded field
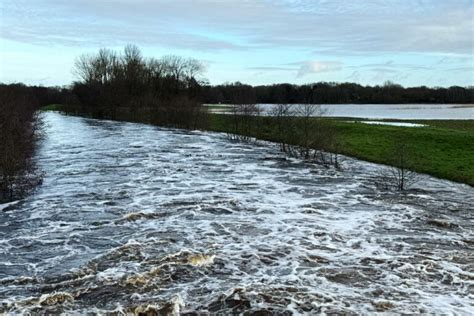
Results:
135 218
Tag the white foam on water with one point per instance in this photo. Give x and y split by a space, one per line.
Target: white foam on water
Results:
4 206
211 216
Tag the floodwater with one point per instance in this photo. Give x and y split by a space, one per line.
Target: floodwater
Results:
394 111
401 124
135 218
403 111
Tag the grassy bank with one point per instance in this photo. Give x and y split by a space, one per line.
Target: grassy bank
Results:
444 148
444 152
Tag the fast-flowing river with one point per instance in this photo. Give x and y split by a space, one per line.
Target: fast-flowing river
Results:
135 218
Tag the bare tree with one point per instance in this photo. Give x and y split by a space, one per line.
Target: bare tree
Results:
84 68
283 116
244 122
132 55
308 129
303 132
400 174
106 60
193 69
20 129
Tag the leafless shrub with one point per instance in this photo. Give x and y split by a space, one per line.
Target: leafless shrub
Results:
303 133
308 130
283 116
244 124
20 130
400 174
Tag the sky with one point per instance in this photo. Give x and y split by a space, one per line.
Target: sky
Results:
410 42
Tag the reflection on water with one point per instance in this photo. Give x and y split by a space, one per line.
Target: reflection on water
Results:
134 218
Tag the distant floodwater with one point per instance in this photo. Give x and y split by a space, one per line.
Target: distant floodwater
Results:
397 111
400 124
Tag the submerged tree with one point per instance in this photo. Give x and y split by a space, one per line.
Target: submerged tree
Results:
283 118
244 122
400 174
303 132
244 114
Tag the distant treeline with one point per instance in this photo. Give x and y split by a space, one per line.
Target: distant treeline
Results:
334 93
41 96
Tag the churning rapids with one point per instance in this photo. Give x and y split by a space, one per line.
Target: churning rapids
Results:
134 218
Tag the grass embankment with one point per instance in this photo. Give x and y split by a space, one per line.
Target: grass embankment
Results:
444 148
444 152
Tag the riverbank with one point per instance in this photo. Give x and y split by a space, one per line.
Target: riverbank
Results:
442 148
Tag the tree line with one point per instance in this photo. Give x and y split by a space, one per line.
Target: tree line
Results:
20 130
335 93
167 91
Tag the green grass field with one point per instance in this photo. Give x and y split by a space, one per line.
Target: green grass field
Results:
443 148
445 152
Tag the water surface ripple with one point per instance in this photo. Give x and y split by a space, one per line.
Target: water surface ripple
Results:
135 218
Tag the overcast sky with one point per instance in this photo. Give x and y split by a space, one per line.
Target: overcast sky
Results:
411 42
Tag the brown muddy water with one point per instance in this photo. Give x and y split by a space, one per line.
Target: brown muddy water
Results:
133 218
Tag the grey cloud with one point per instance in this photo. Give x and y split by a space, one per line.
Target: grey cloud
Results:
340 27
99 23
314 67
